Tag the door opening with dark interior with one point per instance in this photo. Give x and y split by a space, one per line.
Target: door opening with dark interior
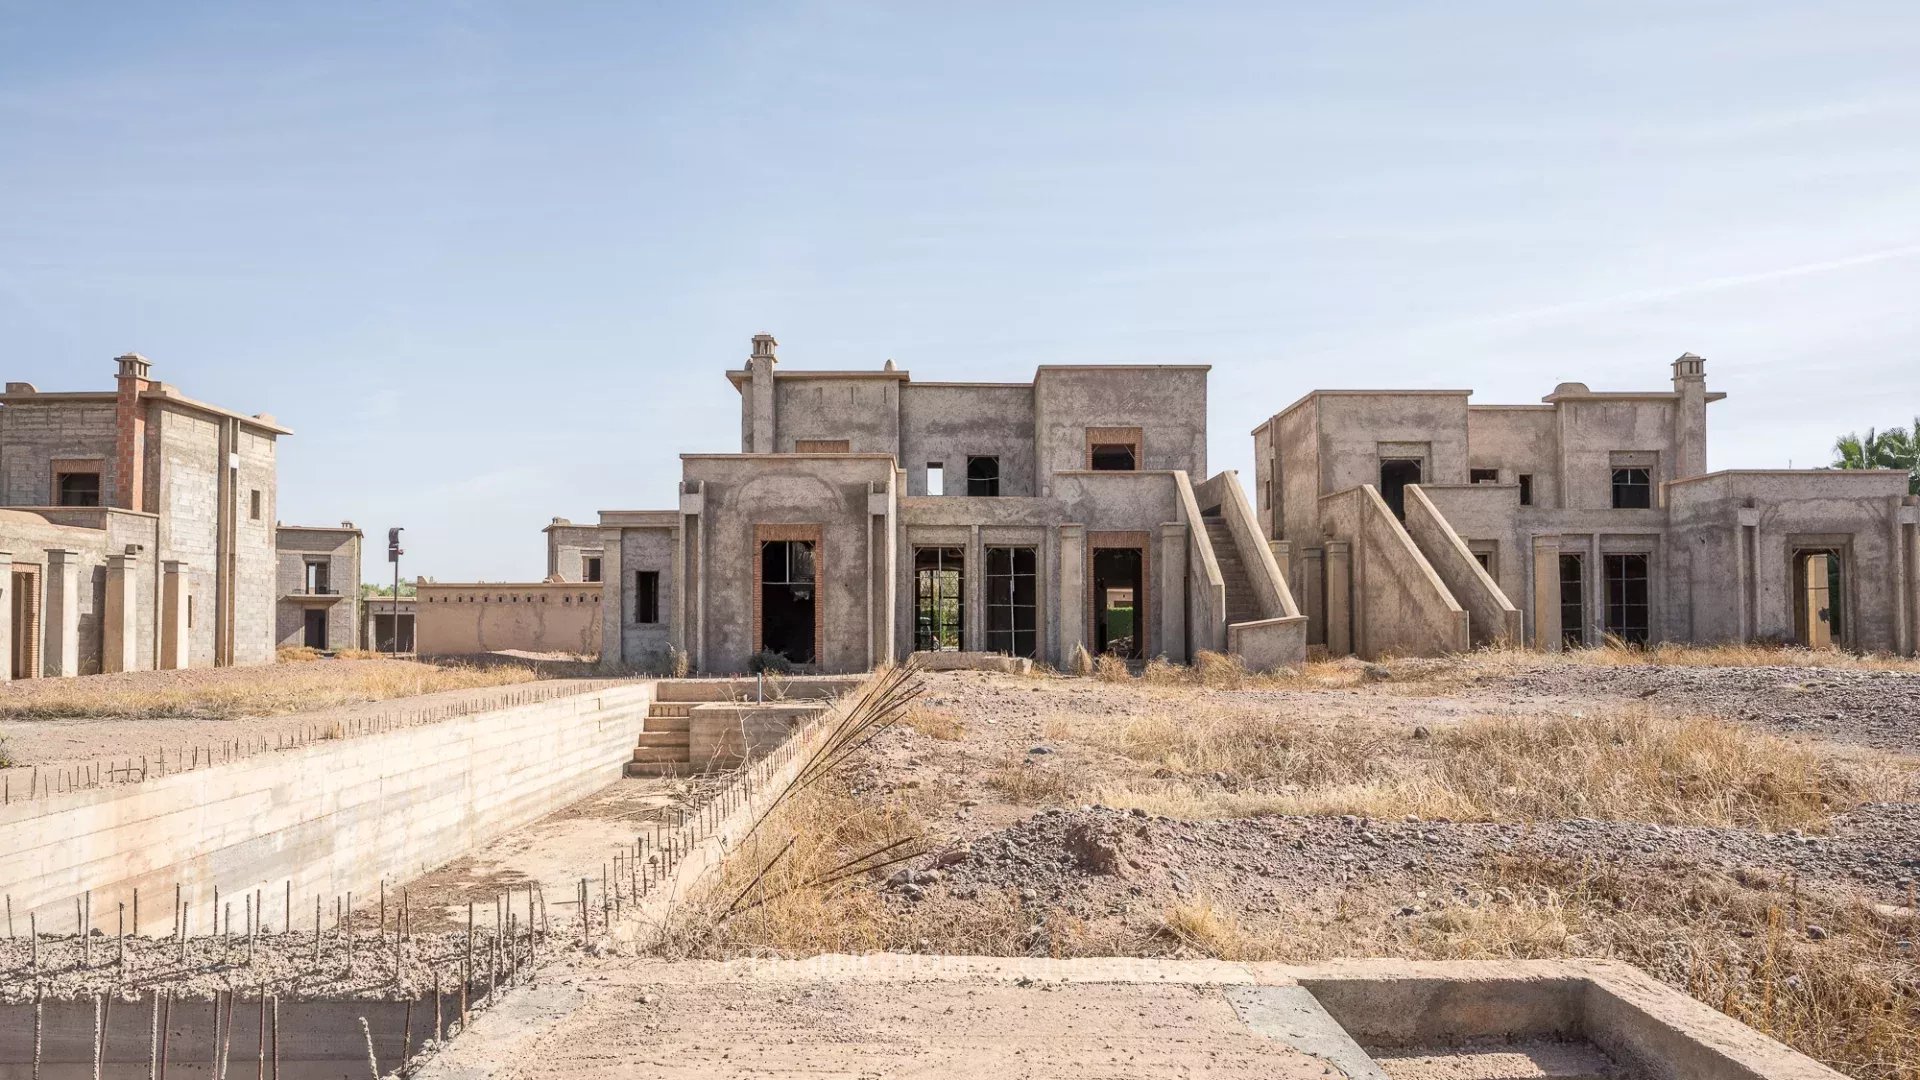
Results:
1013 607
1573 601
1395 475
1819 594
787 587
1629 598
316 637
1118 602
939 598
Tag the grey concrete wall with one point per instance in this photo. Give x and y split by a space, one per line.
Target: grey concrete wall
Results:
1515 440
722 735
340 550
948 422
863 409
34 434
1273 598
185 487
1400 607
1168 404
1491 617
335 816
567 549
1353 425
1484 515
645 646
253 608
1592 429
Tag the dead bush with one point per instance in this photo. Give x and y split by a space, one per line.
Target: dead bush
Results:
942 724
1110 668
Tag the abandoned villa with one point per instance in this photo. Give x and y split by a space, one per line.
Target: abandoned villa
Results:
868 516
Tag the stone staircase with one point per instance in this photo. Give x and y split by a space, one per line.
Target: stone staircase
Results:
664 748
1240 603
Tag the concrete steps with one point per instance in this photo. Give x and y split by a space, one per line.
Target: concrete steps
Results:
664 745
1240 603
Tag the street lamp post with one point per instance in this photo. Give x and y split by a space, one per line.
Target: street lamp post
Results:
393 556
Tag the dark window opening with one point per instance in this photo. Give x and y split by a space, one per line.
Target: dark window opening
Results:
646 596
1013 609
1628 603
1113 457
316 636
983 476
1483 476
1526 489
1395 475
1632 489
383 632
319 579
1485 559
77 489
590 568
253 504
1573 601
787 599
939 598
1117 602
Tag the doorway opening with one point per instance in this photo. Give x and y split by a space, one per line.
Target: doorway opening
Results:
1573 601
23 609
316 637
1013 609
1819 598
383 632
1119 602
1395 475
939 598
788 583
1629 604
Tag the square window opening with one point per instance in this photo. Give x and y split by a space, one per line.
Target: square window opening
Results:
1483 476
1632 489
590 568
77 489
983 476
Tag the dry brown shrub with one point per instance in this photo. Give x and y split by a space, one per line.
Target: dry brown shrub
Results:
1024 780
296 654
1110 668
942 724
1163 672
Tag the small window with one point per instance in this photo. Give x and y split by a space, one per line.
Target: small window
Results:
1485 559
253 503
77 489
936 478
1632 489
189 611
590 568
319 577
1526 489
646 596
1483 476
1113 457
983 476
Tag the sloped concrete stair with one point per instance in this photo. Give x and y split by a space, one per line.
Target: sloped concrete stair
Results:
664 743
1233 572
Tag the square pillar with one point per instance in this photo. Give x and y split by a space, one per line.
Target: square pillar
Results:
1546 593
1339 600
613 602
1283 558
6 616
120 621
973 622
1173 592
1073 592
1313 593
61 615
175 642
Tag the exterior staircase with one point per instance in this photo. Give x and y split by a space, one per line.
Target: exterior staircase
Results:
1233 573
664 748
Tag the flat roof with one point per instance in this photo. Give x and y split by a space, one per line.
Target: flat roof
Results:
354 529
1311 394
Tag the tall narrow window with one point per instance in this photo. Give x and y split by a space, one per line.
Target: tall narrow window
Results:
1632 489
77 489
253 504
983 476
936 478
787 600
1573 601
939 590
1627 598
590 568
1395 475
319 577
646 596
1526 489
1012 602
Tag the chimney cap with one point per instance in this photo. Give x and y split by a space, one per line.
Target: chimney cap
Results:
1689 364
133 365
763 346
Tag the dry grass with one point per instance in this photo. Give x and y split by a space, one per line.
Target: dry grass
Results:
942 724
1110 668
1503 660
296 654
1851 1000
232 693
1027 781
1626 765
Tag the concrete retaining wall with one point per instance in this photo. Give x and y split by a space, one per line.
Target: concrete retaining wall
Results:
329 818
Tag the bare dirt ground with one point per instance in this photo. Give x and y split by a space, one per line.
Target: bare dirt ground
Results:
59 724
1749 834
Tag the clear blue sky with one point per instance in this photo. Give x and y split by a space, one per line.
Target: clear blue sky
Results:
489 260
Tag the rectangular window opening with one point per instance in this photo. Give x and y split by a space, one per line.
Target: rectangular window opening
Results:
1573 601
646 596
1628 603
939 598
1632 489
590 568
1113 457
1526 489
1483 476
77 489
253 503
983 476
787 599
319 577
936 478
1013 610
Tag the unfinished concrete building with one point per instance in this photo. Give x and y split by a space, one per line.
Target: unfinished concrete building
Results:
1413 522
573 551
319 591
137 529
867 516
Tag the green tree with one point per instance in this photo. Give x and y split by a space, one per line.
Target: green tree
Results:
1895 448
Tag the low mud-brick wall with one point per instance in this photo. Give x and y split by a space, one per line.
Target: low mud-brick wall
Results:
320 821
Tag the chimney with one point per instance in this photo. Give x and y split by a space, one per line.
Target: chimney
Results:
130 433
1690 416
763 346
760 365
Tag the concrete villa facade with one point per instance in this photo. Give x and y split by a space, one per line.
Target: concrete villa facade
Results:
1417 523
318 603
867 516
137 530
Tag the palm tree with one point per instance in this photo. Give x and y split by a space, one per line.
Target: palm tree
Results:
1895 448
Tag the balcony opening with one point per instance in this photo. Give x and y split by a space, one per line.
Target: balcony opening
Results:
77 489
983 476
319 577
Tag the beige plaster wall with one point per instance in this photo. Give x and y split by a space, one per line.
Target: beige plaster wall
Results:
465 620
947 422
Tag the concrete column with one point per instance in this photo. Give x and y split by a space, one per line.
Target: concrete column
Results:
175 642
61 615
6 616
1313 593
1283 557
1339 600
1913 581
1072 604
120 621
614 616
761 365
973 624
1745 537
1546 593
1171 601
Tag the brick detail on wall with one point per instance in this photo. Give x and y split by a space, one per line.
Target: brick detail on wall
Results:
763 534
1129 436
